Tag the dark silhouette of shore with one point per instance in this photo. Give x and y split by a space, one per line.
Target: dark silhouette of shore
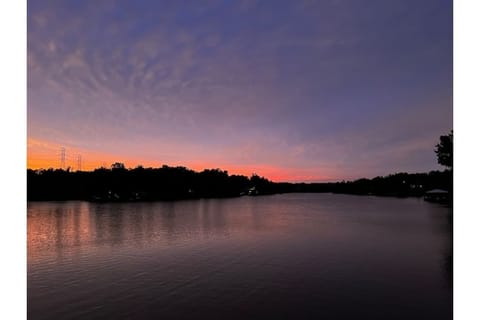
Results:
175 183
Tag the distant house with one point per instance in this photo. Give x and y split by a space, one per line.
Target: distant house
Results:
436 195
252 191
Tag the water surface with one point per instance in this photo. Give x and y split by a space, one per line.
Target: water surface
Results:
293 256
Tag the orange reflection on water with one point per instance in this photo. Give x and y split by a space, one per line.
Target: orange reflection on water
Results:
66 230
51 229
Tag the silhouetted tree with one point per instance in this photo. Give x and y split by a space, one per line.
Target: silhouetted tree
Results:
118 166
444 150
172 183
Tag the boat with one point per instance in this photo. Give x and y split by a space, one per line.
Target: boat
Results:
437 195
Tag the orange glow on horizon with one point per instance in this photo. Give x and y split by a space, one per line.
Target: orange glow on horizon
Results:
45 154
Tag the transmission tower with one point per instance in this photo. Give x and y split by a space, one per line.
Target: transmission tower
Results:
79 163
62 158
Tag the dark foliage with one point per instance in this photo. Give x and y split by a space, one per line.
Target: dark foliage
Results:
120 184
172 183
444 150
399 185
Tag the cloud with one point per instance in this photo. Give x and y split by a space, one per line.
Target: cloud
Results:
299 85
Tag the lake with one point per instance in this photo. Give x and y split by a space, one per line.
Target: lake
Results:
290 256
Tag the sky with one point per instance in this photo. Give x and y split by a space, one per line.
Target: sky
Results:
291 90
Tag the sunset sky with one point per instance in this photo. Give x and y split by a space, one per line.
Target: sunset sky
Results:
290 90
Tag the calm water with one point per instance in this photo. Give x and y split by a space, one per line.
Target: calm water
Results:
294 256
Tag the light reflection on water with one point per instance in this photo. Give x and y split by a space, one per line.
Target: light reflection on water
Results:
284 256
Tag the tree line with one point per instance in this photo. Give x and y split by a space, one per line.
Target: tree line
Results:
173 183
119 183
